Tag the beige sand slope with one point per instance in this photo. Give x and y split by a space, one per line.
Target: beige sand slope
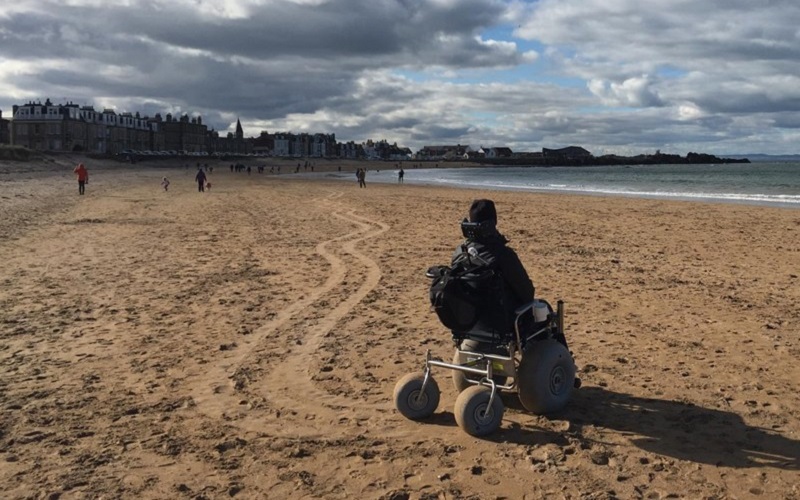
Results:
245 342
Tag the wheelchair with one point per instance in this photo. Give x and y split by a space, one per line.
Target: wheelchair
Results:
533 360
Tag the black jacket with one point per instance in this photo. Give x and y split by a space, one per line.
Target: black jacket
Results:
493 250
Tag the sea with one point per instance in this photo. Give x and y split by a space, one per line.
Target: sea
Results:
762 183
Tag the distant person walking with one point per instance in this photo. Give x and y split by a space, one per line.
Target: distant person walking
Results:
362 177
165 184
201 180
83 178
400 175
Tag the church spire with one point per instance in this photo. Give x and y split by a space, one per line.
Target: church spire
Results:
239 131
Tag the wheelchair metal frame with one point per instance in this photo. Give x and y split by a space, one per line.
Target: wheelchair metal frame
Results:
508 364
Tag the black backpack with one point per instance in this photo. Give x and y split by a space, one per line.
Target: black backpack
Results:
467 292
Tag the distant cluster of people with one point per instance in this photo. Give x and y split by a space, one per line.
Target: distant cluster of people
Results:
203 183
239 167
306 166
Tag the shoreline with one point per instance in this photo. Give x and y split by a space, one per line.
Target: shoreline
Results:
339 171
713 198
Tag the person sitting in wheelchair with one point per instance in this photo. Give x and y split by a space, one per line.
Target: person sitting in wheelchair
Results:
511 287
505 340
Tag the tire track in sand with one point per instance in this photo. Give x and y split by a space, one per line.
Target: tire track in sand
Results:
218 389
291 384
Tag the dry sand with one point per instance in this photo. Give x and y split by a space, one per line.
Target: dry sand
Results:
245 342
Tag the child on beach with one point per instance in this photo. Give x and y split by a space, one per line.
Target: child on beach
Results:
208 185
83 178
165 184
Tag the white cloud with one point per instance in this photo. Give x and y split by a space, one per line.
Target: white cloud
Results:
635 91
220 9
689 111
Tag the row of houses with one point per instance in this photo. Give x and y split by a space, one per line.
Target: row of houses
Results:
70 127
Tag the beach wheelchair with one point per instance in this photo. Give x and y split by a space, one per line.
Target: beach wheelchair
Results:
530 358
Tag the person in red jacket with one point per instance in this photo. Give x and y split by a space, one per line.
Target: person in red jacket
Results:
83 177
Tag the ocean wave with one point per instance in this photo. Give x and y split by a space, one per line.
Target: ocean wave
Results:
780 199
766 184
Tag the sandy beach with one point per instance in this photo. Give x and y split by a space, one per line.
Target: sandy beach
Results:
245 342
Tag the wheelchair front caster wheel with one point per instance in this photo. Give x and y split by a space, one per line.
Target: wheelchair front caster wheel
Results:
411 401
473 413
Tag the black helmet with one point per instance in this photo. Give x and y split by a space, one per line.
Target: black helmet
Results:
482 211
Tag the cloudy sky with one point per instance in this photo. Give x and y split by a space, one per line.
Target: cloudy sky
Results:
613 76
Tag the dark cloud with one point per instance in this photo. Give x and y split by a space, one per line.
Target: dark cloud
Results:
610 73
282 58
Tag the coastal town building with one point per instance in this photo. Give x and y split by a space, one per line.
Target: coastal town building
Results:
264 144
282 145
69 127
533 155
186 134
570 152
501 152
300 145
350 150
5 129
323 145
234 143
382 150
443 152
287 144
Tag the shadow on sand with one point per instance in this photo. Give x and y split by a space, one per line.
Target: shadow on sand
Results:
670 428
